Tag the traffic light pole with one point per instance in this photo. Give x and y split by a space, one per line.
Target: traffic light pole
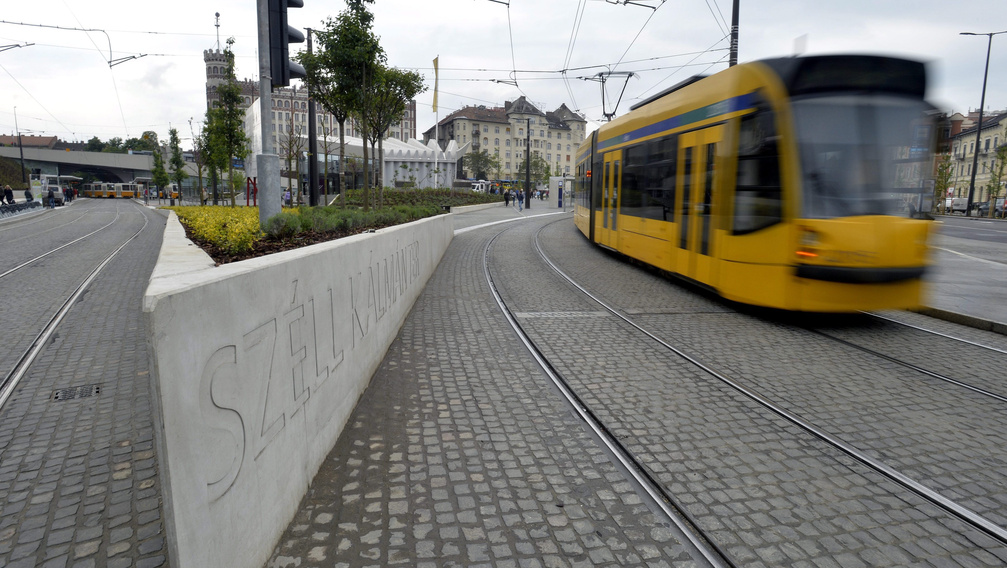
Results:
267 164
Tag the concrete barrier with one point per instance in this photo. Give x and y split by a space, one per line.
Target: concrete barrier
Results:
257 366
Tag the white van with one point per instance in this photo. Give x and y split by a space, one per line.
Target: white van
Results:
956 205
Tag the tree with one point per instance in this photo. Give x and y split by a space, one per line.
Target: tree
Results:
480 164
226 137
540 171
176 162
326 151
199 157
945 170
340 69
391 91
159 174
291 145
94 145
114 146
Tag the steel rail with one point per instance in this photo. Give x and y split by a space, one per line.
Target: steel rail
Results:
705 547
13 378
963 513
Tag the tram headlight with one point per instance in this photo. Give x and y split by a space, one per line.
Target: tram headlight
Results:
808 243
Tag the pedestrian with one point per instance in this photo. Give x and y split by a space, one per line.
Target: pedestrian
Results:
8 194
28 198
286 197
52 199
520 201
507 198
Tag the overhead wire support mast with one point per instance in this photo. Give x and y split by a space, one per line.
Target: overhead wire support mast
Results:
602 78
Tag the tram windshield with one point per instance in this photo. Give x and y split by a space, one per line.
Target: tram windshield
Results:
861 155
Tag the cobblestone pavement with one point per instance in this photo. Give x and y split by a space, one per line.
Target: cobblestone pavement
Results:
460 454
78 477
770 494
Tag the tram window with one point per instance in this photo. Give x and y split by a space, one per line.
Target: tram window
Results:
633 182
649 172
758 197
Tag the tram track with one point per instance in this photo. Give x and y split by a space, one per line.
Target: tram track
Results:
676 513
61 247
867 459
23 362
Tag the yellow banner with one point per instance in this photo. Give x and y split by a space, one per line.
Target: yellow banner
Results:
435 82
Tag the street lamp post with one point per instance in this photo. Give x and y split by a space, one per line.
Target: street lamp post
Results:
527 167
979 126
20 148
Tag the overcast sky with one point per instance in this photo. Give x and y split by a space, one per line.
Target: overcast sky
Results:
489 52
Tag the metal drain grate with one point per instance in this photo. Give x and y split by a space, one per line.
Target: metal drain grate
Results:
76 392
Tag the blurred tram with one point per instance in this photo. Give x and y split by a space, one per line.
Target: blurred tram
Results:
779 183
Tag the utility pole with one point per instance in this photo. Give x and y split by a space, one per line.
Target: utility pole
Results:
527 167
979 126
734 36
312 143
20 147
267 165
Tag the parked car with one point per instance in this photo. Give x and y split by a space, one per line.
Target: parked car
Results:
983 209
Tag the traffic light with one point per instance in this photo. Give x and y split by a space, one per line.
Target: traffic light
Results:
281 35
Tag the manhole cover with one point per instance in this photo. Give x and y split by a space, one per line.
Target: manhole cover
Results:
76 392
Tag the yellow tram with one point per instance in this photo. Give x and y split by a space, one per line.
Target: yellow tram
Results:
777 183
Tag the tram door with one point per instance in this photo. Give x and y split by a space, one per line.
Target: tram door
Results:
697 154
611 182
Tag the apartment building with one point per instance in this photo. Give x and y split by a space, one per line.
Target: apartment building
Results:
992 134
510 131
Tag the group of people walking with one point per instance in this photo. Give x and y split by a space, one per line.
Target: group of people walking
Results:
518 197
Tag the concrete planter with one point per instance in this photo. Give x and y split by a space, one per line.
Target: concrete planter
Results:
257 366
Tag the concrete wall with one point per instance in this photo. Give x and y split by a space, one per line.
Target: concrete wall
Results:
257 366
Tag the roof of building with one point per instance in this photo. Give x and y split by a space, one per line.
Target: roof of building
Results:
30 141
988 122
558 119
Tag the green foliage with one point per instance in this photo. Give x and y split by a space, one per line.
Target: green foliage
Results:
232 229
425 198
338 221
158 173
945 170
481 164
539 169
94 145
225 135
177 163
10 174
343 66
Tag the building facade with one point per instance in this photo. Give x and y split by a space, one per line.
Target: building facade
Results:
290 107
992 134
510 132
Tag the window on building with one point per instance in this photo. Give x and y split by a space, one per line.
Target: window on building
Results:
987 147
496 130
507 142
486 129
496 141
541 133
